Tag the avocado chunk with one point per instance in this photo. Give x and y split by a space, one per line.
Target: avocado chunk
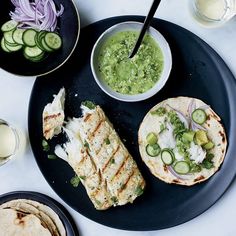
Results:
209 145
151 138
201 138
188 136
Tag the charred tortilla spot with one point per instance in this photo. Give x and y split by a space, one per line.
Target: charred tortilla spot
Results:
176 181
165 168
199 178
223 136
20 215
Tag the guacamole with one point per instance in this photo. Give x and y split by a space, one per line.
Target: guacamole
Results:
130 76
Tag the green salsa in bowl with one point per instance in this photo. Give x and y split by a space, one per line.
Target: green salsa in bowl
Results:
133 79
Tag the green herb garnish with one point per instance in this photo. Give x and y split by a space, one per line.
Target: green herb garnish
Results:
207 162
162 128
45 146
89 104
112 161
114 200
107 141
75 181
139 190
82 177
161 111
52 157
86 144
98 202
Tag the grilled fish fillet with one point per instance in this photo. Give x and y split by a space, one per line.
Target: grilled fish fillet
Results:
53 115
97 155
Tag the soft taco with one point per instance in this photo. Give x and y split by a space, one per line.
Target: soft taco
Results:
182 141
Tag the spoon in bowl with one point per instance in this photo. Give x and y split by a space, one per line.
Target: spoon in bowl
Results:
146 24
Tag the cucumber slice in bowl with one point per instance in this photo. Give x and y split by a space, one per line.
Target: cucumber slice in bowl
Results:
28 37
18 36
199 116
32 51
8 36
53 41
182 167
153 150
3 46
9 25
167 156
34 54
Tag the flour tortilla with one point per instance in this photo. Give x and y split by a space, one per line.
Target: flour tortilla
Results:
44 213
15 223
215 131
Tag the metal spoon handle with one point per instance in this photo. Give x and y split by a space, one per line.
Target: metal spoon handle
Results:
146 24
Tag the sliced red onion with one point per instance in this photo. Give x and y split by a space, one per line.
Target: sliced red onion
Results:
181 116
172 171
39 14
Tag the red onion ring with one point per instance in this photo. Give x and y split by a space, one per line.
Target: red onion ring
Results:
172 171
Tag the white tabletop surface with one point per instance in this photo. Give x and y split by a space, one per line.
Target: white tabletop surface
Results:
23 172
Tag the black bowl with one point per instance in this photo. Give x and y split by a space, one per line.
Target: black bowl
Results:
69 29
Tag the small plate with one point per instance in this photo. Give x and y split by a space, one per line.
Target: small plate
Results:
69 29
63 214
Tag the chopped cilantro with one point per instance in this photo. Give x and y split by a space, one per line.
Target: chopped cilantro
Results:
207 162
86 144
52 157
114 200
112 161
98 202
89 104
107 141
75 181
82 177
161 111
162 128
139 190
45 146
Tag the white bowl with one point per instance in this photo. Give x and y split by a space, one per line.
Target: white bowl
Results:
132 26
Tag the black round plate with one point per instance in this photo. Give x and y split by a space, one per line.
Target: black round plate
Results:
63 214
197 71
69 29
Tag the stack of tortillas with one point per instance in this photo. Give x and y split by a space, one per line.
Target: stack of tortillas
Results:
29 218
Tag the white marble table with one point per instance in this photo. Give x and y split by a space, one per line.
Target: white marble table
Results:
23 173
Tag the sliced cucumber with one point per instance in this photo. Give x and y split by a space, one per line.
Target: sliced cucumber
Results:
53 40
38 38
13 48
3 46
153 150
45 46
182 167
35 59
29 37
32 51
9 37
199 116
151 138
11 44
167 156
9 25
18 36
